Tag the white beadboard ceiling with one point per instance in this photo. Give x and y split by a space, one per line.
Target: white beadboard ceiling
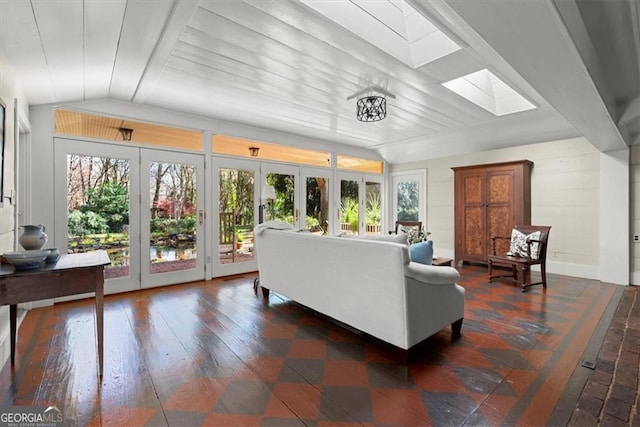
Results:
283 65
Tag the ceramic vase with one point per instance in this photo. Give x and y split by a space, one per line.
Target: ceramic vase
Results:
33 237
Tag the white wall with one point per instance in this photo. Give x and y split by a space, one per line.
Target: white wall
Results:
634 181
615 234
565 193
10 91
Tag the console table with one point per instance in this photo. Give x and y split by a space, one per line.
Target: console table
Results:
73 274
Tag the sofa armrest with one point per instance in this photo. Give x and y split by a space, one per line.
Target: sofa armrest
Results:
433 275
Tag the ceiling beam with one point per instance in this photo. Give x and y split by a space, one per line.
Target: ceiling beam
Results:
142 28
629 122
180 16
532 37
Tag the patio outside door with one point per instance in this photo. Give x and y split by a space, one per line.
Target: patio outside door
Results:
96 206
361 204
144 207
172 217
235 214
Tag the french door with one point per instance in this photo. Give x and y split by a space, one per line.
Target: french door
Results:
172 217
235 213
97 206
144 207
360 206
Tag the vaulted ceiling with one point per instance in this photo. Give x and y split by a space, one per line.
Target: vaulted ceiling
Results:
289 66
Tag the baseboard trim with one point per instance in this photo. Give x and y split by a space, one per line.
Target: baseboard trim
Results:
576 270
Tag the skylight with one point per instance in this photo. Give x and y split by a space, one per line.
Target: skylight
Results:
486 90
391 25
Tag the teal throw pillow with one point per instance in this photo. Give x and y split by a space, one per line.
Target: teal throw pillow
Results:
422 252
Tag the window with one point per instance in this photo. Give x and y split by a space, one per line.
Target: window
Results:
127 131
409 196
265 151
360 165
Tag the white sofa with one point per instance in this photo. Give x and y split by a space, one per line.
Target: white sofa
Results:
368 284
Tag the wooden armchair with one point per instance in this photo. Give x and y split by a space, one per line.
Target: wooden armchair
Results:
227 236
523 253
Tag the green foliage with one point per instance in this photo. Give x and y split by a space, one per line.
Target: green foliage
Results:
349 212
408 209
167 226
84 223
187 225
417 235
236 194
312 223
111 202
374 208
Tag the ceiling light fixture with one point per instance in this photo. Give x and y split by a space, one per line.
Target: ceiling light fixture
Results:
126 133
371 108
253 151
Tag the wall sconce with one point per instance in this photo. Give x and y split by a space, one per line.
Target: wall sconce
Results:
268 194
126 133
253 151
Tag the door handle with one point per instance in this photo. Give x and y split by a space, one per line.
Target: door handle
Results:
200 217
297 215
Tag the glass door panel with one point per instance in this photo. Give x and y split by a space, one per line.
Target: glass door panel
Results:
98 198
349 206
317 201
373 207
236 193
174 218
409 196
235 213
284 207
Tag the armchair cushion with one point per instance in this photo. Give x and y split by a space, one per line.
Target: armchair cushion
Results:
518 246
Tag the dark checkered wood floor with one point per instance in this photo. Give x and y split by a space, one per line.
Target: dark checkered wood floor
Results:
213 353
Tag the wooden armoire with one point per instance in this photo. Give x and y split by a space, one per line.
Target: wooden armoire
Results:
489 200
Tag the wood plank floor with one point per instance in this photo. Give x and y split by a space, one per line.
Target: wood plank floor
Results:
214 353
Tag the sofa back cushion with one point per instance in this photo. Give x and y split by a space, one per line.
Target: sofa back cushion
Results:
393 238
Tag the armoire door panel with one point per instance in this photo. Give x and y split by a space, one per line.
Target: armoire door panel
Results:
474 243
500 188
474 189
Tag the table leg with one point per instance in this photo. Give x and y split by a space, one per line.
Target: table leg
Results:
100 317
13 322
